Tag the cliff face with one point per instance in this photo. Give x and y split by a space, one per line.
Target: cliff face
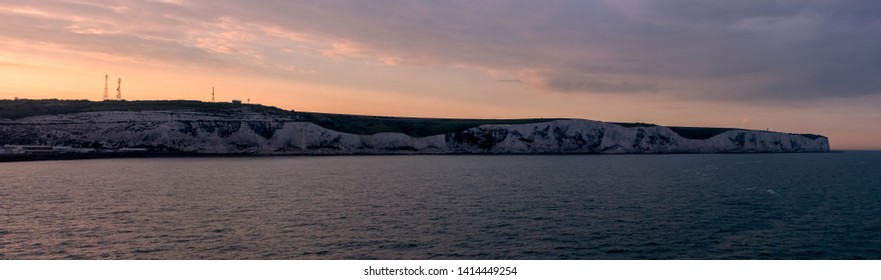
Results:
260 134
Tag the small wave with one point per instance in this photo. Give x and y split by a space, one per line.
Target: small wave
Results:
318 253
139 251
232 248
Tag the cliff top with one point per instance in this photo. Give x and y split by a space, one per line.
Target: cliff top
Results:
22 108
417 127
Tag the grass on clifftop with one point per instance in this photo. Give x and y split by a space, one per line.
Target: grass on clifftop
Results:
21 108
701 133
355 124
417 127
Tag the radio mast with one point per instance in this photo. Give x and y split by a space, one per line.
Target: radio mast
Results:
105 87
119 89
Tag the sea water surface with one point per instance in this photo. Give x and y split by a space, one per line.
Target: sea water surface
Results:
684 206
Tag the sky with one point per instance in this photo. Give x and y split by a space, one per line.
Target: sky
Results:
799 66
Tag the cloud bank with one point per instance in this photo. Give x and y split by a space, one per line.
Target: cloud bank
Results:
748 50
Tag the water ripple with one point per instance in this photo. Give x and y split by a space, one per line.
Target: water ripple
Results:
764 206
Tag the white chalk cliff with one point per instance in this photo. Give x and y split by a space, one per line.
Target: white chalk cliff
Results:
262 134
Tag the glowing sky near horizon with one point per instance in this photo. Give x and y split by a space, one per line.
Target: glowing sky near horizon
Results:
792 66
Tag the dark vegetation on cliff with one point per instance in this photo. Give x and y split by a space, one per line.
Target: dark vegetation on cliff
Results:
701 133
417 127
21 108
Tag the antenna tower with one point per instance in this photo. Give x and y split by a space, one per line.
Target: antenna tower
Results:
105 87
119 89
212 94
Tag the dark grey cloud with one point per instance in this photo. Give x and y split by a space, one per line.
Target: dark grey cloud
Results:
569 84
795 49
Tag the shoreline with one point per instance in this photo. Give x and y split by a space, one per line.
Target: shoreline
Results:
118 155
76 156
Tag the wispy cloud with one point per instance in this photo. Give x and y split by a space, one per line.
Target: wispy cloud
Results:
813 49
775 50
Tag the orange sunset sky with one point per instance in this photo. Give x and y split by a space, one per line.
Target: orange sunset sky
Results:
791 66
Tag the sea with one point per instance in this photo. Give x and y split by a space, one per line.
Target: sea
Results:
676 206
